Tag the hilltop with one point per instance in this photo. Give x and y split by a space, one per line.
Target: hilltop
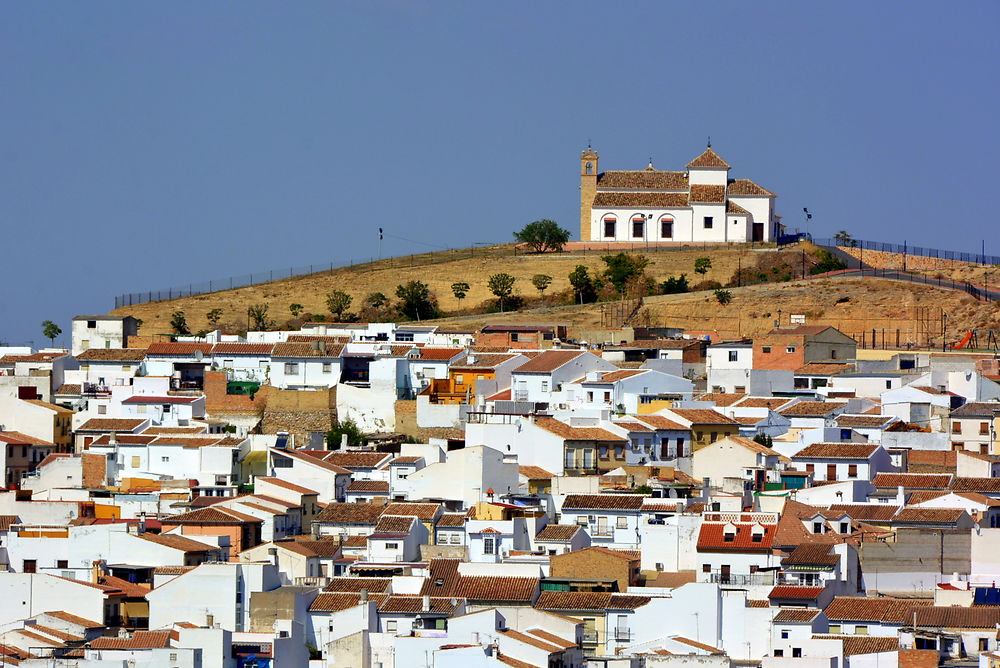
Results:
853 305
439 270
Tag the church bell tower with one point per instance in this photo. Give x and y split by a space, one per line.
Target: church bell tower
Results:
588 190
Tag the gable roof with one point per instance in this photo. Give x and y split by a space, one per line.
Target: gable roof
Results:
871 609
642 179
572 433
709 158
498 588
747 188
550 360
602 502
837 451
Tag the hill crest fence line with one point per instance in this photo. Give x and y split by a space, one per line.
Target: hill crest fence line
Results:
502 250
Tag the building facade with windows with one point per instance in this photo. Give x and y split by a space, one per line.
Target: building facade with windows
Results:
700 204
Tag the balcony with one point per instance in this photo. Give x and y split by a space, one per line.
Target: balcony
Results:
767 578
589 637
312 581
623 635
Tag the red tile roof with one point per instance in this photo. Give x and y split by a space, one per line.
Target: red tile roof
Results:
799 593
498 588
712 537
550 360
179 348
602 502
572 433
709 158
837 451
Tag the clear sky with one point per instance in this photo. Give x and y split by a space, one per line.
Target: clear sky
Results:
145 145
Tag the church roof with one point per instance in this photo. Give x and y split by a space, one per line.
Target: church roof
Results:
705 193
709 159
748 187
606 200
734 209
646 179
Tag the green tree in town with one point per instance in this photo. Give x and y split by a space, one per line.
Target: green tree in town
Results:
51 330
702 265
376 300
355 436
415 300
583 284
460 289
214 316
543 235
541 282
179 323
257 314
623 269
501 285
337 302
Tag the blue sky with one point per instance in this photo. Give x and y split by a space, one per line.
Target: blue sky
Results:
150 145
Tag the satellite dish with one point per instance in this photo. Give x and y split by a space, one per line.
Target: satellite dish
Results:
198 355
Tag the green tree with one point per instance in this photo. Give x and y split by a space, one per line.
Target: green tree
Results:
764 440
51 330
376 300
337 302
843 238
583 284
501 285
723 296
460 289
675 285
826 262
355 436
179 323
623 268
541 282
296 309
416 300
257 313
702 265
214 316
543 235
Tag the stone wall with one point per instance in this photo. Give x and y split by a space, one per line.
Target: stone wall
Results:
887 260
299 412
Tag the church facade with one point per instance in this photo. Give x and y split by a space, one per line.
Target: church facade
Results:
698 205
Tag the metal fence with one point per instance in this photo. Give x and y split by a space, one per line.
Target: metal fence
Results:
977 291
398 262
906 249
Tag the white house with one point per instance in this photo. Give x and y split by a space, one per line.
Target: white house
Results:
537 379
467 474
102 331
611 520
842 461
623 389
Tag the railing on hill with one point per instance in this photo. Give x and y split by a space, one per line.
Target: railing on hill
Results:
977 291
906 249
399 262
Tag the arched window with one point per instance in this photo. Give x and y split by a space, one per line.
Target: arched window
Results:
666 227
590 168
638 226
609 226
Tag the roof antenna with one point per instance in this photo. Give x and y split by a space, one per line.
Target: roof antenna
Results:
710 141
588 143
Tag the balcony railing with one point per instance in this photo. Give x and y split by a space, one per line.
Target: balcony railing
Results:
312 581
623 635
590 637
743 579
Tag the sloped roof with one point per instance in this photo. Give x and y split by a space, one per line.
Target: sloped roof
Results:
706 193
837 451
913 480
572 433
709 158
641 200
558 532
350 513
747 188
712 538
874 609
642 179
854 645
112 355
602 502
498 588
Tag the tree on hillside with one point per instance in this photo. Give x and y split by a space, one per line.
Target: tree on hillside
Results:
543 235
257 314
460 289
702 265
843 238
723 296
296 309
179 323
337 302
51 330
415 300
675 285
501 285
541 282
623 268
213 317
376 300
583 284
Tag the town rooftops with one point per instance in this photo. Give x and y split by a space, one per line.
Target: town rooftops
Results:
823 368
351 513
558 532
498 588
378 486
811 555
319 349
660 422
913 480
707 193
352 584
609 377
550 360
837 451
811 408
624 502
17 438
887 610
735 537
947 617
722 398
702 416
112 355
642 200
581 600
482 361
211 516
747 188
642 179
111 424
572 433
864 421
425 512
977 409
439 354
181 348
254 349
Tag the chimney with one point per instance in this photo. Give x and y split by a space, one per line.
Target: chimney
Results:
210 620
113 438
343 441
900 495
680 507
426 603
272 552
363 594
470 358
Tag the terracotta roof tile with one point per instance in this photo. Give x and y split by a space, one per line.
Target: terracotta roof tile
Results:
854 645
874 609
405 604
184 348
331 351
796 615
642 200
642 179
812 408
660 422
112 355
602 502
837 451
913 480
734 209
811 554
111 424
379 486
797 593
702 416
572 433
351 513
705 193
337 601
709 158
712 537
928 515
349 584
498 588
823 368
139 640
534 472
746 187
558 532
255 349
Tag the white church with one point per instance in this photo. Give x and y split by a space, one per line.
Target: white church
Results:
700 205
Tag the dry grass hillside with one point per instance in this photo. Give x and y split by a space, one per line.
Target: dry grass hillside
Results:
853 305
438 270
